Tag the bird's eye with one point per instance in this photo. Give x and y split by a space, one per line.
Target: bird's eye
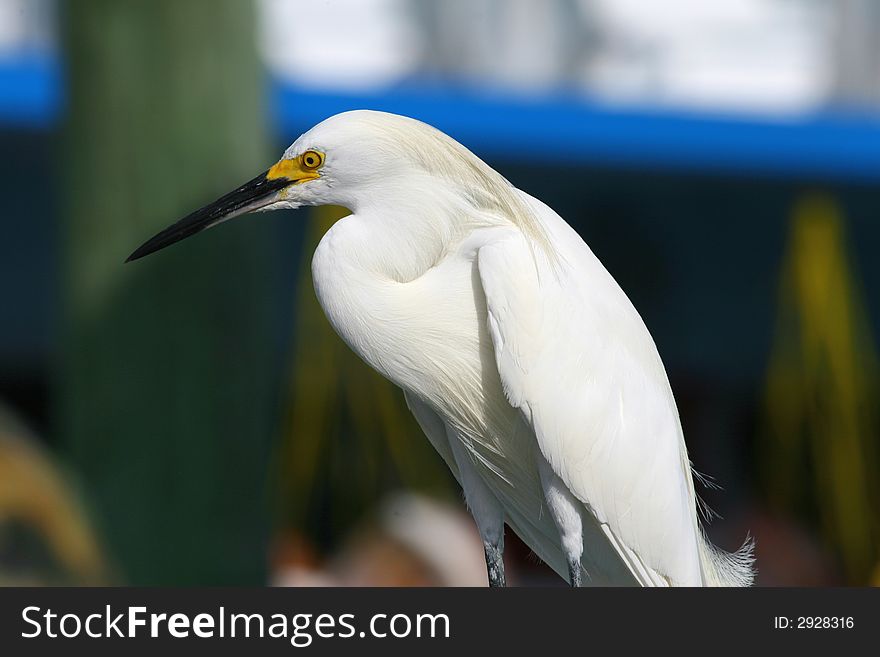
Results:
312 159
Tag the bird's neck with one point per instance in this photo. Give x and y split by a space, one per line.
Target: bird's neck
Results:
404 230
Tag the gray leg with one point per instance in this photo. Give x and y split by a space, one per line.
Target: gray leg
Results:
485 508
495 564
574 573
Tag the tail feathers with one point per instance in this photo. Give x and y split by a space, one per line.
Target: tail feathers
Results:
722 568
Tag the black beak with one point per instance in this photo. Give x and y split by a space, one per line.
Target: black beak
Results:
250 196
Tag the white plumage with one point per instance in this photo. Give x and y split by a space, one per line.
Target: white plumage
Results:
523 361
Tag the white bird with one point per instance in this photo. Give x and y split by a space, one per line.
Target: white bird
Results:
523 361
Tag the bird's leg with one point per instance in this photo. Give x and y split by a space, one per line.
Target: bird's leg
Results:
574 573
495 563
566 512
485 508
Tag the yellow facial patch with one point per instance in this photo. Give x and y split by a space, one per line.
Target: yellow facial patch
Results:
299 169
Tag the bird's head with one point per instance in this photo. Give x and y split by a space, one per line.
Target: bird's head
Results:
344 158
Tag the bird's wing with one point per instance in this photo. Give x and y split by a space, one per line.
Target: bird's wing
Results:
575 358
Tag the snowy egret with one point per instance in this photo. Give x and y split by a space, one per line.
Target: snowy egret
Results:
523 361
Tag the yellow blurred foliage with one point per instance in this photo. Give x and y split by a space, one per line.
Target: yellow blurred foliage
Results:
819 454
34 493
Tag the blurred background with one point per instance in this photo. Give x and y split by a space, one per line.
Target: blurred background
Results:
192 419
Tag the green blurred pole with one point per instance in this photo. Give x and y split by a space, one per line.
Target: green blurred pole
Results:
166 403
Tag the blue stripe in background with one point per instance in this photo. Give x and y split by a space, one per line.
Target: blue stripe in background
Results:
564 130
30 92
